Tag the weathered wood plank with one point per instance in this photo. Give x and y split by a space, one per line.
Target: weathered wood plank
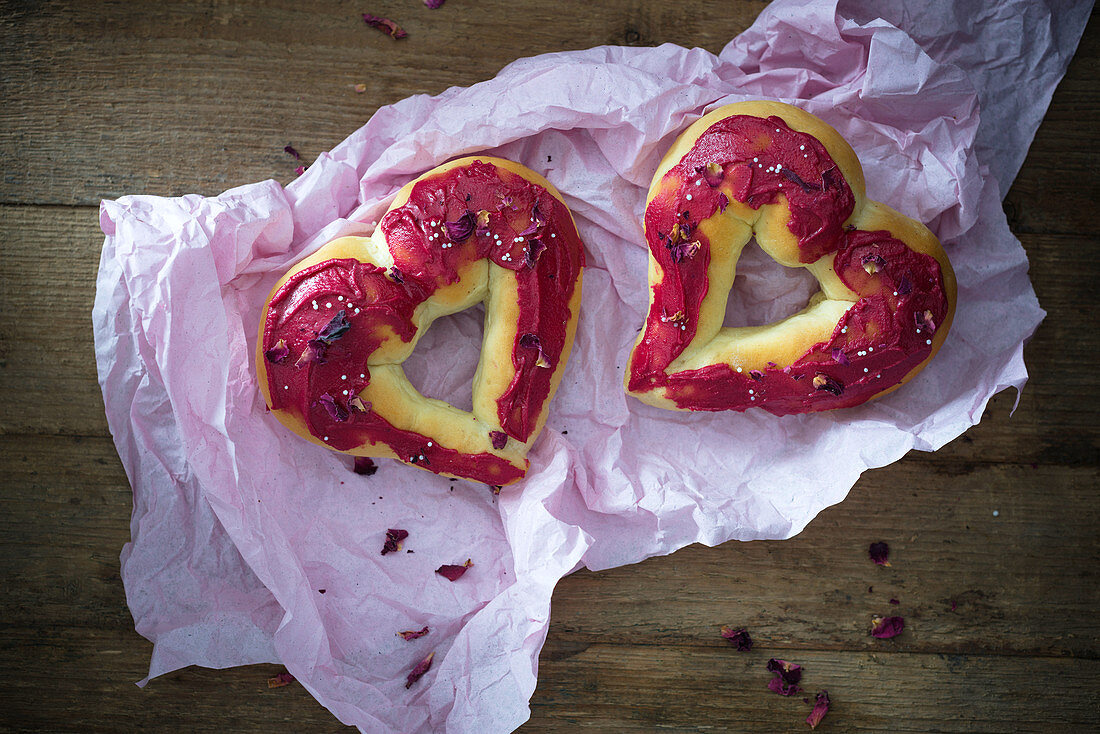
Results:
66 507
106 99
602 688
628 688
49 255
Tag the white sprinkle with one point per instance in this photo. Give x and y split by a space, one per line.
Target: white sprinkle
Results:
435 223
552 235
927 341
753 398
780 185
777 129
325 438
804 155
750 392
870 349
844 330
356 310
895 293
339 298
738 369
759 165
314 306
918 331
778 166
699 182
429 444
328 305
755 160
865 369
343 377
345 392
996 513
362 374
689 197
802 147
422 457
286 387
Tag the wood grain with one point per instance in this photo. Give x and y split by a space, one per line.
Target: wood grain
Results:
109 98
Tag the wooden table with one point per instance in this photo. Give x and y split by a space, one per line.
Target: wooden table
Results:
993 538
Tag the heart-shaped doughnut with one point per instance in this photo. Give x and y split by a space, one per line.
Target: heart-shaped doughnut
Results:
338 325
771 170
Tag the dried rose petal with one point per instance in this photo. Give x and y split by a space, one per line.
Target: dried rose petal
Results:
300 170
824 382
397 275
420 669
280 680
905 286
531 254
499 439
831 178
393 540
289 150
452 572
886 627
335 328
434 4
314 352
385 25
335 411
683 250
738 637
794 177
723 202
360 88
925 321
482 224
821 707
365 465
460 229
895 602
840 357
537 222
711 173
787 676
532 341
873 263
879 553
756 374
413 634
363 406
278 353
954 605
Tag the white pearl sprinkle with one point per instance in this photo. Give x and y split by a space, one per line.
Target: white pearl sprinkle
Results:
345 392
802 147
429 444
895 293
778 166
286 387
699 182
356 310
996 513
750 392
314 306
738 369
328 305
870 349
927 341
362 374
552 235
777 129
752 398
754 160
343 377
435 223
689 197
325 438
339 298
865 369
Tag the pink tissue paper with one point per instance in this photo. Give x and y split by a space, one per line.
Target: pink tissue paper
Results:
251 545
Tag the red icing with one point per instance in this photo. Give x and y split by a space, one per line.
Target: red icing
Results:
425 259
873 347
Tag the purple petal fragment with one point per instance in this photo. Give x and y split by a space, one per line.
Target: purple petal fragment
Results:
300 170
756 374
335 328
879 553
482 224
289 150
532 341
413 634
824 382
905 286
434 4
821 707
787 676
712 173
365 465
393 540
385 25
453 572
683 250
278 353
886 627
925 321
531 254
421 668
335 411
280 680
363 406
840 357
460 229
397 275
499 439
796 179
314 352
723 202
873 263
739 638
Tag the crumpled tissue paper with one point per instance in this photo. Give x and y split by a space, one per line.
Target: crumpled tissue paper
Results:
250 545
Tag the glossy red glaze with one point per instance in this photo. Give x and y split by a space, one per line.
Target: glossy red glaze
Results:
525 229
877 342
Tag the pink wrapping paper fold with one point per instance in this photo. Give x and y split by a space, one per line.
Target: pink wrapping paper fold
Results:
238 525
